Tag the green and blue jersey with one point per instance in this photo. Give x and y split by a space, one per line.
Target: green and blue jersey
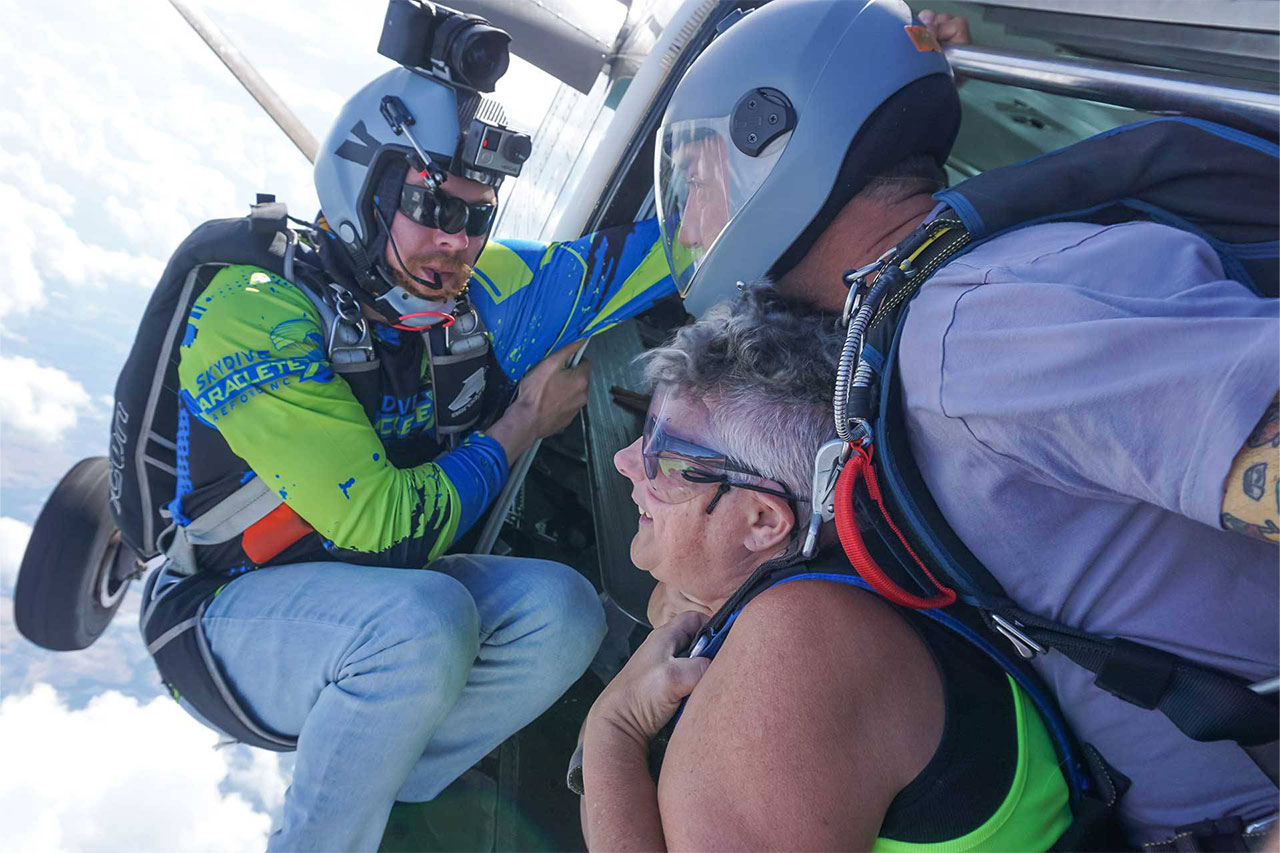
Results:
364 469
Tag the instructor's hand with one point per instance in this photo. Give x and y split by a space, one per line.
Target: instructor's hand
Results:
949 30
553 392
549 396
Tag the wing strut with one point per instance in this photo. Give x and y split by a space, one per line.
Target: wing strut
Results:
249 78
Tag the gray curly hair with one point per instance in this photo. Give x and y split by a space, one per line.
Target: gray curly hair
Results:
765 368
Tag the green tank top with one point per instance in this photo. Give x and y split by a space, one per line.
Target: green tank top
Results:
994 782
1034 812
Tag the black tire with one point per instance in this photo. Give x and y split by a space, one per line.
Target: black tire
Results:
67 592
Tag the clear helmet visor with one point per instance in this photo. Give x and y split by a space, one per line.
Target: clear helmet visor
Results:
702 182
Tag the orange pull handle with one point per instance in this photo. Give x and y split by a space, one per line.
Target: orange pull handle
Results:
271 534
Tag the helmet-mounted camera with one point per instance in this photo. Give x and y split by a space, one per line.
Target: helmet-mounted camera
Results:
467 52
463 49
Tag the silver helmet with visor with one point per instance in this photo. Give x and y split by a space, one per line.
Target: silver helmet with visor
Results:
707 169
407 117
795 105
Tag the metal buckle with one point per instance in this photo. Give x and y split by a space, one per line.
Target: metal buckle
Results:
827 465
1267 685
851 305
854 279
859 432
344 303
348 314
466 324
1027 647
1261 825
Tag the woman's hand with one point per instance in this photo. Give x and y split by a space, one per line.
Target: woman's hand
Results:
667 602
645 695
620 804
949 30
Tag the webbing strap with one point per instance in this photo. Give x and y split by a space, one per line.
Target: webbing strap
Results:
1136 673
1205 704
233 514
168 636
1210 836
940 239
222 522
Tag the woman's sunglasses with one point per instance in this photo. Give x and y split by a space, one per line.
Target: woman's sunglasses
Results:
678 469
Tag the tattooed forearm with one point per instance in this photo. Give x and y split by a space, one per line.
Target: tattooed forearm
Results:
1251 501
1265 532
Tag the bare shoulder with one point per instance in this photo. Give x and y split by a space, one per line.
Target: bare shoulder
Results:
822 704
830 634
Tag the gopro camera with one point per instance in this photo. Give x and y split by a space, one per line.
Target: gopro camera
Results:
486 146
468 54
464 49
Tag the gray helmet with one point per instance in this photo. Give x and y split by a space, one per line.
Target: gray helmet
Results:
403 117
780 121
362 144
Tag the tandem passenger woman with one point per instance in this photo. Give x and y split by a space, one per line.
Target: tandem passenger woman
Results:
825 718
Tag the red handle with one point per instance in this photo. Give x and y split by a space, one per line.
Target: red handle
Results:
859 467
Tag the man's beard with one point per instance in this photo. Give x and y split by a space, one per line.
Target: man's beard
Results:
454 276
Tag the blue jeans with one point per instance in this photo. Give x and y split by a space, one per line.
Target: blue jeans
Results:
396 681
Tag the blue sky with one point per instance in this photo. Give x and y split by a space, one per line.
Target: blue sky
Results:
120 132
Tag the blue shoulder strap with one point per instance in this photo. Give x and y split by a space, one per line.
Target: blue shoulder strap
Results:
1077 778
1214 181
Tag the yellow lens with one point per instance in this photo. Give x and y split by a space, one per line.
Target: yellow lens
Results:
670 467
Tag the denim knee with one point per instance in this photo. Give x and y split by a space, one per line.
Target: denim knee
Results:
571 613
432 619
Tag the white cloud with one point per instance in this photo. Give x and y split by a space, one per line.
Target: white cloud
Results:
119 132
116 138
123 775
116 661
13 543
259 776
38 402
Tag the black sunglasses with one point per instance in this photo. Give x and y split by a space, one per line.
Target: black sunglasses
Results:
435 209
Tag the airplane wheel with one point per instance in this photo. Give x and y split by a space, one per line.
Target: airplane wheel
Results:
75 571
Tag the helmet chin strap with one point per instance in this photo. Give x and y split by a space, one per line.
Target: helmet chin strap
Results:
412 312
409 311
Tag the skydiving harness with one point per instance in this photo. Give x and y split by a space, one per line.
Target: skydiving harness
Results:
1204 703
459 355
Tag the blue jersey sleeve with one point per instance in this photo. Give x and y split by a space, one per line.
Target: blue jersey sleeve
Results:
538 297
478 469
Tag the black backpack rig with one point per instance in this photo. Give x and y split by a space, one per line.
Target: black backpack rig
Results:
107 522
100 529
1214 181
